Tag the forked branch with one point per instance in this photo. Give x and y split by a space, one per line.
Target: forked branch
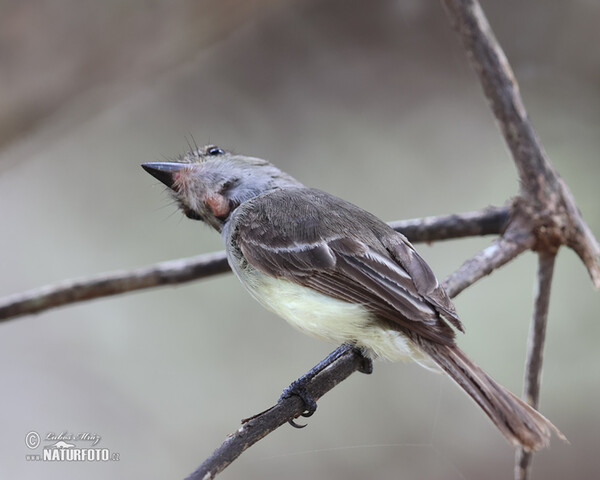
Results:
545 206
548 203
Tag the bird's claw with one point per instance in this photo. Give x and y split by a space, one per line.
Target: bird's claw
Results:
298 388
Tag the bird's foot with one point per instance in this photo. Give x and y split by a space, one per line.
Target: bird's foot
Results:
299 389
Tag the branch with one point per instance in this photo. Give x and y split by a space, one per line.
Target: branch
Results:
501 89
260 425
489 221
550 202
483 222
501 251
112 283
535 350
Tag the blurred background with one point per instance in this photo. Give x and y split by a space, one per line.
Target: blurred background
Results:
371 101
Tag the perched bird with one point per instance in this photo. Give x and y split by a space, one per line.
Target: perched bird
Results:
336 272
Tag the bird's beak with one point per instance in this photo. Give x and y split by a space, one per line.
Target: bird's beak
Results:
164 171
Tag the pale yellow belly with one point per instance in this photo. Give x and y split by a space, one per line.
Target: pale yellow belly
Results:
333 320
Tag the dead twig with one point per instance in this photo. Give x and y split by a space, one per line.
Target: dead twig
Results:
489 221
112 283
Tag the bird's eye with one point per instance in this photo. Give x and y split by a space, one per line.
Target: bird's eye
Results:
214 151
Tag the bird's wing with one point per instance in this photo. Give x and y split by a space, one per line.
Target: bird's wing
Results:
324 243
423 278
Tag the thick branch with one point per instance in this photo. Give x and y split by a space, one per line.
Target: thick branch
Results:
487 221
286 409
535 350
501 251
552 206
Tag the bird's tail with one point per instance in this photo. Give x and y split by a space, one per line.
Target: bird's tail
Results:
520 423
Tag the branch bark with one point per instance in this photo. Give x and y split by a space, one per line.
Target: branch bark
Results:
501 251
112 283
535 350
489 221
482 222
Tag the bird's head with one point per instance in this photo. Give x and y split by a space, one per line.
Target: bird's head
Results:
210 183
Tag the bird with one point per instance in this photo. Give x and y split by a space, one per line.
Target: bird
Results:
337 273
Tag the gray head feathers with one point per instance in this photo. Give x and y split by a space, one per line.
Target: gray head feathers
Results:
209 183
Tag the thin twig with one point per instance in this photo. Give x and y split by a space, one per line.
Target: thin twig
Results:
501 251
286 409
535 350
487 221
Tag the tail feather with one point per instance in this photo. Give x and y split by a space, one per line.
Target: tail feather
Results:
520 423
